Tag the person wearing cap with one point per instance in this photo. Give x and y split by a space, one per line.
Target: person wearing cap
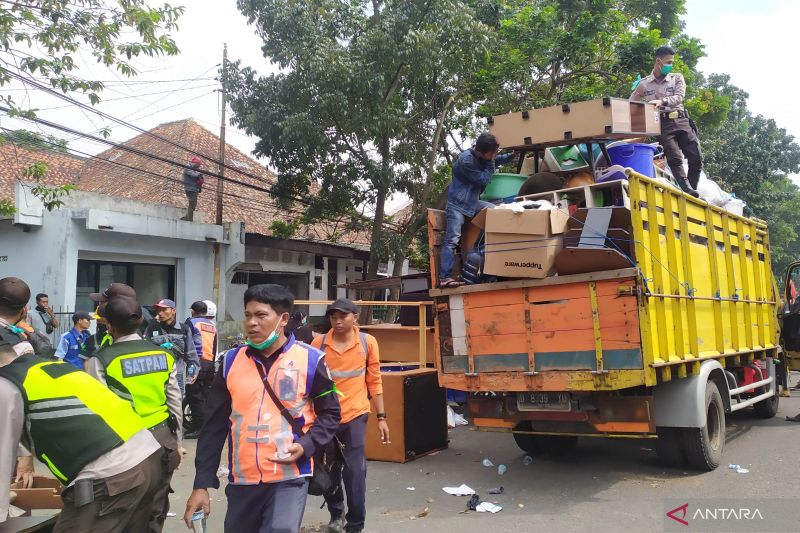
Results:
73 342
165 331
204 333
192 185
354 362
147 378
667 91
274 403
101 336
93 442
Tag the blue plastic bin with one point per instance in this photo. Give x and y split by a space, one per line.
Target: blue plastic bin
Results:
639 157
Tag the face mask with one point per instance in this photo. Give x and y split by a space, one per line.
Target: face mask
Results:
666 69
270 340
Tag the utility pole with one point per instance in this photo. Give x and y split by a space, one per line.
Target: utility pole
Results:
220 188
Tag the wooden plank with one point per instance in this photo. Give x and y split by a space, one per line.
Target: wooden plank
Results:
498 320
498 344
546 282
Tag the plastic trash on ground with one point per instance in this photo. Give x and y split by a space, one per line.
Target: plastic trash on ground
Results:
501 469
487 463
473 503
463 490
223 471
527 460
488 507
497 490
461 420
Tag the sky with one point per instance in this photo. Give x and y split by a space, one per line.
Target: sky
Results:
753 41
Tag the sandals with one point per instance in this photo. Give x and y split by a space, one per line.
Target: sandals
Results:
795 418
450 283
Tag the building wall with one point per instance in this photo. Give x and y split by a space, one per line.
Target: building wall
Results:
44 247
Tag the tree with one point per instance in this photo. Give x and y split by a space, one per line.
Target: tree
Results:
36 140
40 39
364 98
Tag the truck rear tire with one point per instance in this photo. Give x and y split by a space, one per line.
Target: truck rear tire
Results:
703 446
543 444
767 408
669 447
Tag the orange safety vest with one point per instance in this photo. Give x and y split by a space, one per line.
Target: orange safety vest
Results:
257 427
208 332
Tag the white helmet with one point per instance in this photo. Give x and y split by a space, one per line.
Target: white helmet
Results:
212 308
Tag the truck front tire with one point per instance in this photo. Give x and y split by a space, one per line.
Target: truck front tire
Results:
703 446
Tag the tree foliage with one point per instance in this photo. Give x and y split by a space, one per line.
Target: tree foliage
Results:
364 97
40 39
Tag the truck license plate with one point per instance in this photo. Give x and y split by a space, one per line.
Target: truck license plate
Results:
543 401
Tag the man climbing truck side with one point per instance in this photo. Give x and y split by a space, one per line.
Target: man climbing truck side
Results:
675 327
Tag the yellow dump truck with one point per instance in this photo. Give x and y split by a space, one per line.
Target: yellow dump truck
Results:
662 346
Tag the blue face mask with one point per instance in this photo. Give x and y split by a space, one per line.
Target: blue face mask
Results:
269 341
666 69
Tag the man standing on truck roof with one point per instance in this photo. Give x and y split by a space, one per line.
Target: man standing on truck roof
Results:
471 173
667 90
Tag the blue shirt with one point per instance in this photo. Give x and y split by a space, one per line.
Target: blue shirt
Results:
70 347
470 177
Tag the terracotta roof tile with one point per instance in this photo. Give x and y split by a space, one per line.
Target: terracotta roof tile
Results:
62 169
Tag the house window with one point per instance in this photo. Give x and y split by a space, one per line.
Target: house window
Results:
151 282
333 276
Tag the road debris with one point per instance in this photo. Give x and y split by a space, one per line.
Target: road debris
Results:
527 460
487 463
497 490
488 507
411 488
463 490
501 469
739 469
474 501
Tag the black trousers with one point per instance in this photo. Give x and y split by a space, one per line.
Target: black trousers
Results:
679 140
353 436
196 395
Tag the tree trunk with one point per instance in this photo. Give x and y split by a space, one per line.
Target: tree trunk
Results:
382 184
394 295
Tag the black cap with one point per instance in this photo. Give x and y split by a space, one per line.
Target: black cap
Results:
80 315
114 290
14 293
122 312
199 307
342 304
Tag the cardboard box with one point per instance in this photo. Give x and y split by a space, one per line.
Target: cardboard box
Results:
521 245
45 494
603 118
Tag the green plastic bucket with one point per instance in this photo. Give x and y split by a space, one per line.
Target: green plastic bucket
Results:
502 186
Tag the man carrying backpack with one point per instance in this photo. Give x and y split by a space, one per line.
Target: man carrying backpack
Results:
354 363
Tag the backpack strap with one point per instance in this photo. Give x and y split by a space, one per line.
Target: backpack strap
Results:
364 343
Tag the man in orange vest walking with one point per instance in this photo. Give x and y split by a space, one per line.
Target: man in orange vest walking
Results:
274 402
355 365
204 334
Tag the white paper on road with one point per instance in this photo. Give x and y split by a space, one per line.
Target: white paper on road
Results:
463 490
487 507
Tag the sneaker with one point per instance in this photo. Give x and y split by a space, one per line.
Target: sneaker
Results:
336 525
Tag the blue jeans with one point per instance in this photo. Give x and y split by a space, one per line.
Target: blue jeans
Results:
452 236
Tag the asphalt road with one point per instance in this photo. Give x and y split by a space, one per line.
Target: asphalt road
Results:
604 485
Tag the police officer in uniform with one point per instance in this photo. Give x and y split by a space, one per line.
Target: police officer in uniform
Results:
92 441
145 376
667 90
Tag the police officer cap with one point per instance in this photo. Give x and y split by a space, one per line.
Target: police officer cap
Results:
14 293
114 290
122 311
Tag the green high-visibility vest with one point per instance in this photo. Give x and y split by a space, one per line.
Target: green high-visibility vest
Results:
71 419
138 371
